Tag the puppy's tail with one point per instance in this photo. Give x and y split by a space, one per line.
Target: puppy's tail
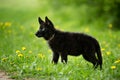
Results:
99 55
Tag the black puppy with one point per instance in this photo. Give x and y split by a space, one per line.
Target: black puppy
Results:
68 43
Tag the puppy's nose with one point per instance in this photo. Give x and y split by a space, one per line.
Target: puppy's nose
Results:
36 33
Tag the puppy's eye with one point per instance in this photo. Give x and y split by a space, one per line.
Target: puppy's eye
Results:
43 29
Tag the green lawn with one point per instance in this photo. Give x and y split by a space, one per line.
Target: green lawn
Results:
23 55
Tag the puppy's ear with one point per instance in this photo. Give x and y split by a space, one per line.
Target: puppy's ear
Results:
48 21
40 20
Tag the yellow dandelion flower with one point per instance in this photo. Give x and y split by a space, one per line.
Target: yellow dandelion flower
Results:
20 55
4 59
39 69
113 67
17 51
103 49
8 24
41 55
108 52
117 61
30 52
23 48
110 26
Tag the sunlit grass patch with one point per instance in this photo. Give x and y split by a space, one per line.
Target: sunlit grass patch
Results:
117 61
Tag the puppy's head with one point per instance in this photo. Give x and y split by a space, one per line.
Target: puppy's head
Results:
46 29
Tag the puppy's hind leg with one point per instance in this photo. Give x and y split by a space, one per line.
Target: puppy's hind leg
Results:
91 58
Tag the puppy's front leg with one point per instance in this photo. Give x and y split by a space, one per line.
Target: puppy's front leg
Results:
64 58
55 57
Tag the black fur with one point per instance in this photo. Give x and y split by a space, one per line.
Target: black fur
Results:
68 43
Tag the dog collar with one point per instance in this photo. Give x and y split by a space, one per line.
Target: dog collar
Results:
51 37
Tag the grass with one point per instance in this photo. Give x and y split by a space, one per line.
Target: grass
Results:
23 56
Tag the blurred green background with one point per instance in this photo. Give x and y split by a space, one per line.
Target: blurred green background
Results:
81 12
